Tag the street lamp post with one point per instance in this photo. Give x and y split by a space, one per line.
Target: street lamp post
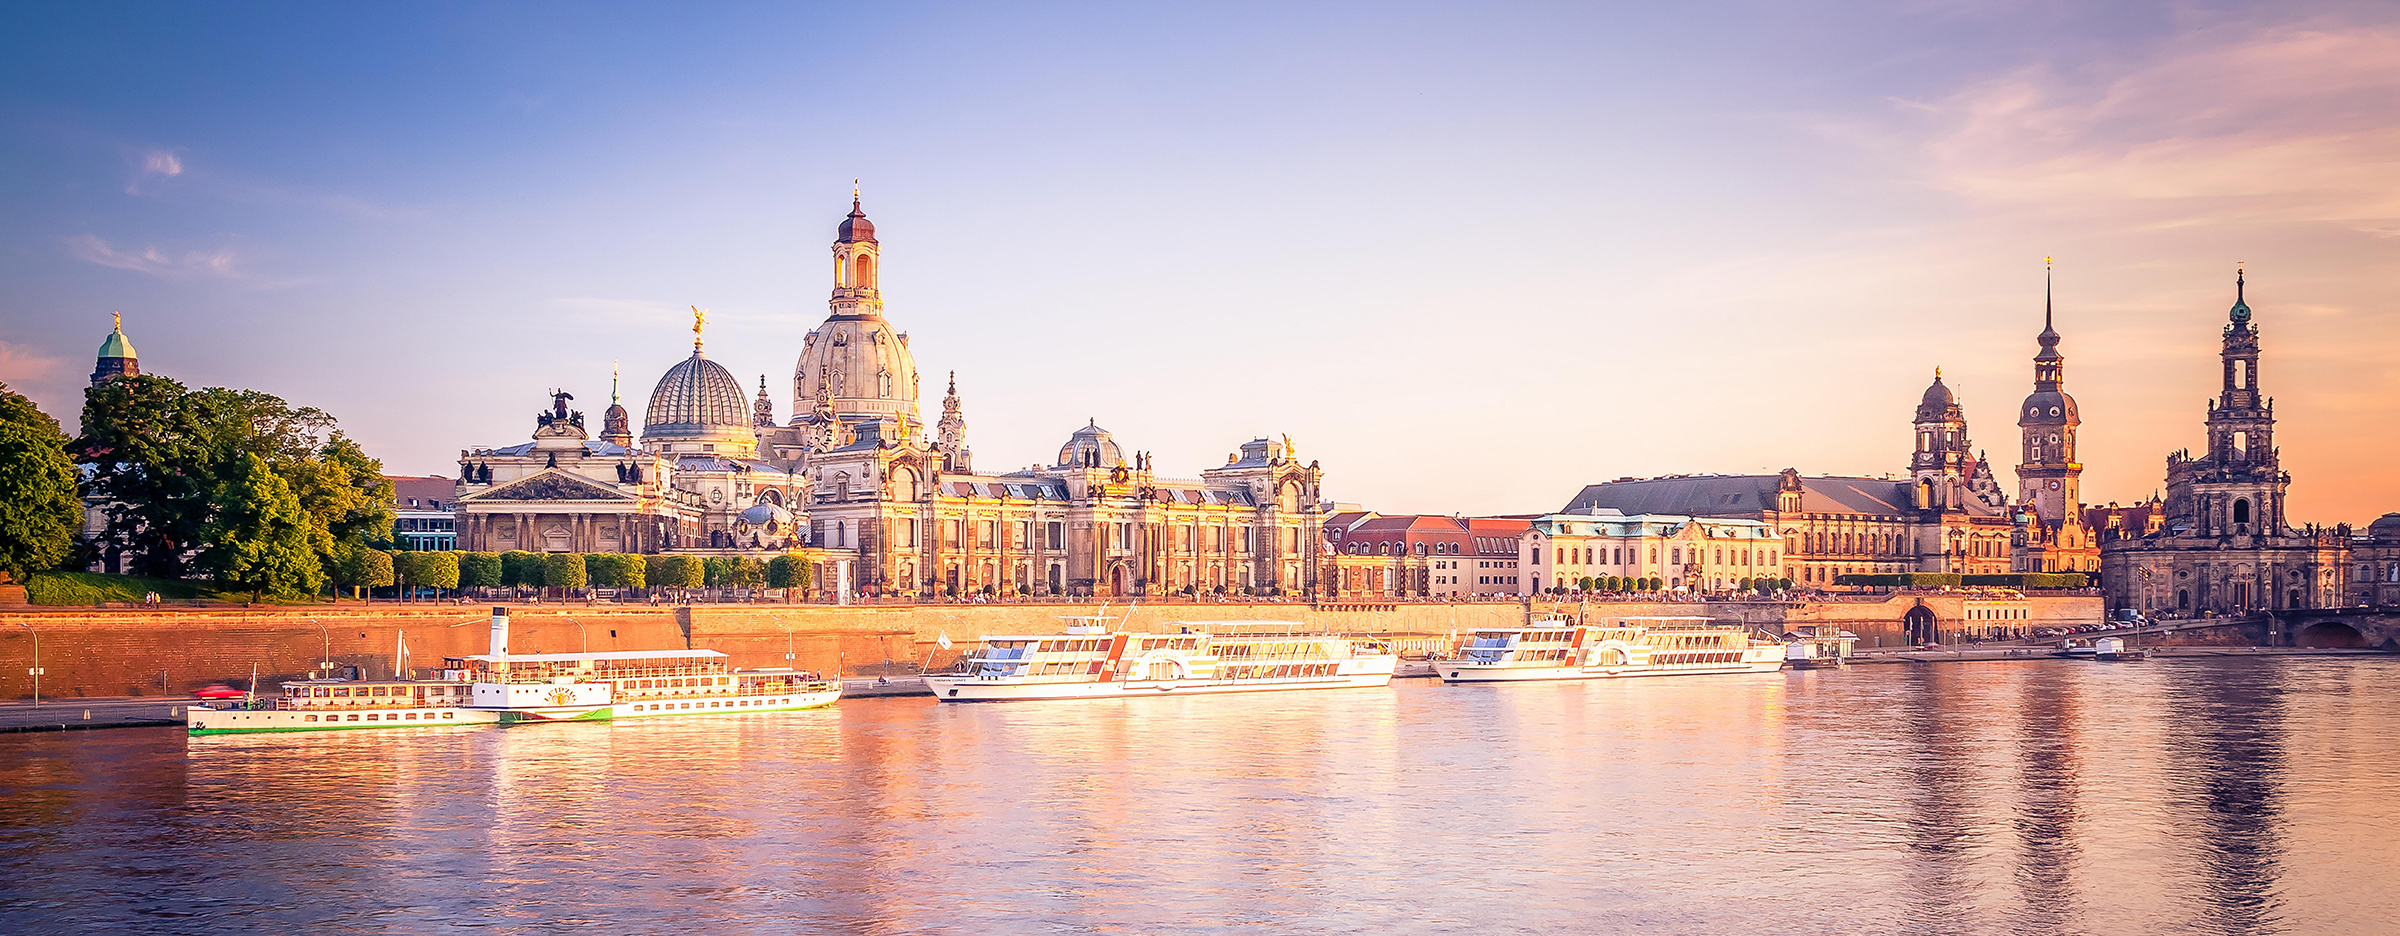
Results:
325 667
36 671
587 634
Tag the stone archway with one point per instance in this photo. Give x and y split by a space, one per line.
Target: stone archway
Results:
1120 580
1920 625
2329 634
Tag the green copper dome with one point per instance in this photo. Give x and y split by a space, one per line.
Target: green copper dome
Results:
117 346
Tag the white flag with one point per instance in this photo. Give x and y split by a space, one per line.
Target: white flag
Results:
943 639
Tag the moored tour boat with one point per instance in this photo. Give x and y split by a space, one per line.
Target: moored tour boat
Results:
1089 661
500 688
1631 646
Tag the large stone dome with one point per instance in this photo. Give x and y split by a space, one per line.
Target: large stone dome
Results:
2385 528
698 399
859 363
1091 445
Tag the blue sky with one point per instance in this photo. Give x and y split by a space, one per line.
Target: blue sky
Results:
1471 257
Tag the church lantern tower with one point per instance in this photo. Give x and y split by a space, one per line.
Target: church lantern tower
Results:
116 357
2049 473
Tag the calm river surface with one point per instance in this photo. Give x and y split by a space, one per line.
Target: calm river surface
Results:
2170 796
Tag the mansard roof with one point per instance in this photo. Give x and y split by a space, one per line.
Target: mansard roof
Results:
1734 495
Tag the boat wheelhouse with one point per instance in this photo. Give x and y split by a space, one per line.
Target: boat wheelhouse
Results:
1818 646
1630 646
1198 657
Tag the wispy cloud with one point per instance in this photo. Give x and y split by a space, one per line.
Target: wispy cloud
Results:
220 263
22 364
91 248
2277 123
154 164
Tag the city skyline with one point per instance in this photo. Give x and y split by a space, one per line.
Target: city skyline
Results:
1397 317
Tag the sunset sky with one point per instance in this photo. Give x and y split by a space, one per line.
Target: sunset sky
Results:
1471 257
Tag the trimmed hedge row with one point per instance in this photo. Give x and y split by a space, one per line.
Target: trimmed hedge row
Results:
1939 579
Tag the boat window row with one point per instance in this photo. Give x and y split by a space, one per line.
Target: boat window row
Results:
693 682
1288 671
387 716
365 692
709 704
1688 659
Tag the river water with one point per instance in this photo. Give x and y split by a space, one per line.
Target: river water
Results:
2169 796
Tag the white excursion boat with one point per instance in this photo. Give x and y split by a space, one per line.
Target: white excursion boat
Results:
645 683
1089 661
1632 646
331 704
500 688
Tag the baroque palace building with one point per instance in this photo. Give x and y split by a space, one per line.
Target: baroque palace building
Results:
2222 542
1948 515
857 482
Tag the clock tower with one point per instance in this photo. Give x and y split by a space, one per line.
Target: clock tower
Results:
2053 539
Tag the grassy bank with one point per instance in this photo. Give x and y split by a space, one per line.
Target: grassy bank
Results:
91 588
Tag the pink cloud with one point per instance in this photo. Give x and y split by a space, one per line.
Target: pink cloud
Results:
155 164
2294 123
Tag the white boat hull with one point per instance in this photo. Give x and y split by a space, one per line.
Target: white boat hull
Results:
1359 673
728 705
1454 671
207 721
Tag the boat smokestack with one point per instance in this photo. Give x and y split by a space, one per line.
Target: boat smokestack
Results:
499 631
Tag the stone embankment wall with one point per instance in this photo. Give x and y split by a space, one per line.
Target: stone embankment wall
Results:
93 653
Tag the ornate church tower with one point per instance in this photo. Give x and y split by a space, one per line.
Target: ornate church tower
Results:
951 433
616 425
2239 491
2048 475
762 410
856 263
116 357
1943 460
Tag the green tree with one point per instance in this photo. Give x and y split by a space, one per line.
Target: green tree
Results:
40 506
478 570
677 572
1585 583
788 572
150 466
364 567
438 570
259 535
604 570
631 571
748 572
346 495
565 570
717 571
404 570
520 568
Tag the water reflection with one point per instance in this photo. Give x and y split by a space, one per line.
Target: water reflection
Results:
2229 729
2042 798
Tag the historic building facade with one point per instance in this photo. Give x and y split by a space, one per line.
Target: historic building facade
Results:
1683 553
2224 544
894 508
1948 515
2050 532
